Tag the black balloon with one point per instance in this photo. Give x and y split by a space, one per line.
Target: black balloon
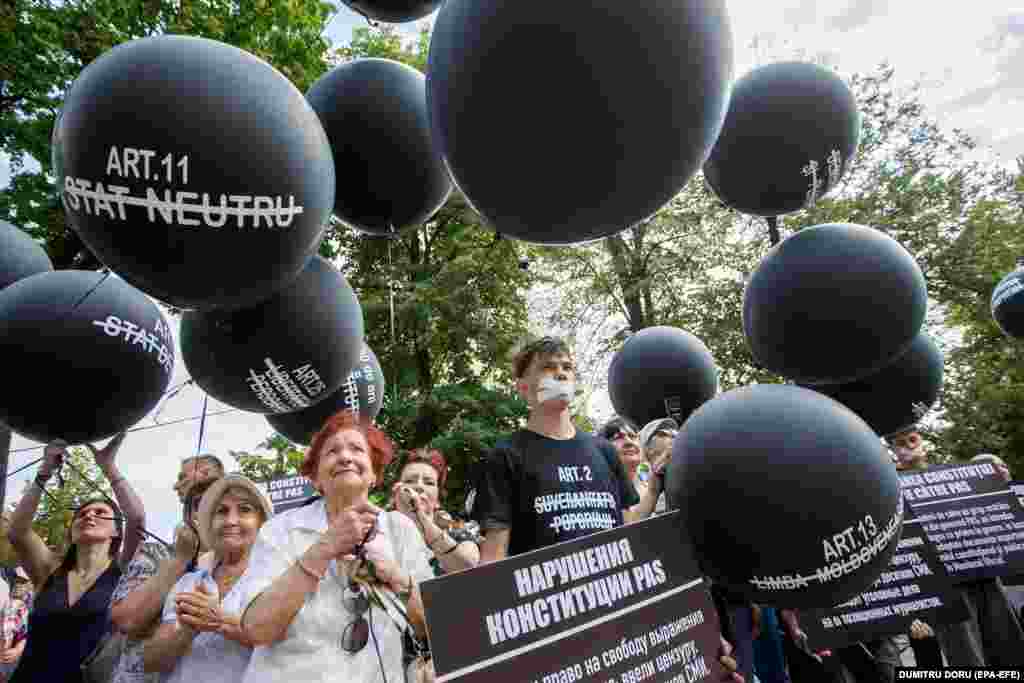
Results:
20 255
661 372
285 354
388 172
362 394
554 136
833 303
193 169
95 355
788 498
393 11
897 396
791 131
1008 304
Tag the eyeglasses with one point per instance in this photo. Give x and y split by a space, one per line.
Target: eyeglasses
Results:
355 600
357 633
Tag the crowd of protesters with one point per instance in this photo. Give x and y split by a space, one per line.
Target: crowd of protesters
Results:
329 591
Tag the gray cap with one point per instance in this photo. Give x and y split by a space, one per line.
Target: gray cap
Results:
655 425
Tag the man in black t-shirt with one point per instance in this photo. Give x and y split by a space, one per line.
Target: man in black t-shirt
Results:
548 483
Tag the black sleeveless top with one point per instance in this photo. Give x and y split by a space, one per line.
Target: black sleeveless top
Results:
59 637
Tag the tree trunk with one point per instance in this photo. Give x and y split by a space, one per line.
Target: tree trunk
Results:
628 283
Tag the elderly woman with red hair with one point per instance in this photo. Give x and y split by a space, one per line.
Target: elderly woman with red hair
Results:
333 579
417 494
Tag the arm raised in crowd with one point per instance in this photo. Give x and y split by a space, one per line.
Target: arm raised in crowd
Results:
134 613
39 561
129 502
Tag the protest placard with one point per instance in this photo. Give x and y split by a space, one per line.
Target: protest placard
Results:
975 521
619 606
287 491
915 585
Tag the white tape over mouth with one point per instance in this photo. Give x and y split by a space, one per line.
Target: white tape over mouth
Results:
551 389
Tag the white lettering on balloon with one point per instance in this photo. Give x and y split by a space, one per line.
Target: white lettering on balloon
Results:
835 167
811 169
276 389
178 207
150 342
845 552
818 184
125 162
351 389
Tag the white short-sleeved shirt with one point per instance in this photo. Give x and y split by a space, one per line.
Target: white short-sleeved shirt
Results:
212 657
311 651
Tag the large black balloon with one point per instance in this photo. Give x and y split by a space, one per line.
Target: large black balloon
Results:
285 354
557 137
791 131
362 394
20 255
393 11
1008 303
388 171
788 498
194 169
661 372
92 356
897 396
833 303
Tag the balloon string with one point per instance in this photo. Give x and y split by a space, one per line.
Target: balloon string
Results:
391 291
171 393
133 429
202 425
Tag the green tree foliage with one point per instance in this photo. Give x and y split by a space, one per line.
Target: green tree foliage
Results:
285 461
929 188
44 45
983 398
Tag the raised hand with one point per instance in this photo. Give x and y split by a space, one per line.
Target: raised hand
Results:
53 458
105 458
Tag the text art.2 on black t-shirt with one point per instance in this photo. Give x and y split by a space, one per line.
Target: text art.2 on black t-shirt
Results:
552 490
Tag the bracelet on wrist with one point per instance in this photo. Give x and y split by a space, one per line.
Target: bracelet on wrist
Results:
455 544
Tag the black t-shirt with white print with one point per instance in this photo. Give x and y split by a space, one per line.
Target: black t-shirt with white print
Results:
551 490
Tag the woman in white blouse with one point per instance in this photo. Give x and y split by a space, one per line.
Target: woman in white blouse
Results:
200 638
310 620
